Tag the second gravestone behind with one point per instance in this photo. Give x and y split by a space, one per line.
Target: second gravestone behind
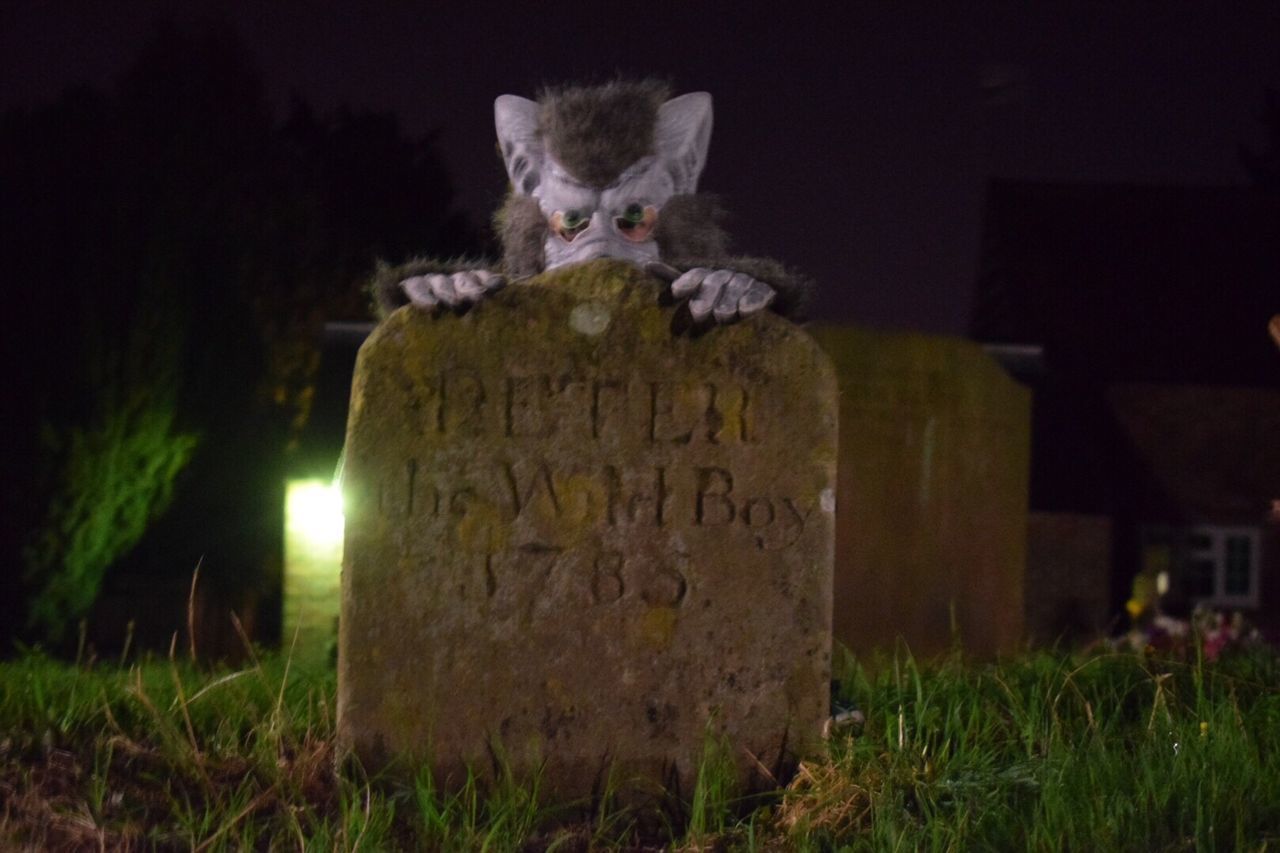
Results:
577 538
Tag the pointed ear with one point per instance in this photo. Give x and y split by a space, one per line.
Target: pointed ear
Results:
682 137
516 120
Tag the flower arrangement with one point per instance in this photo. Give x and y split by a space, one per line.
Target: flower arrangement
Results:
1208 632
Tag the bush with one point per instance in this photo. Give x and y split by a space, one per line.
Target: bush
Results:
110 473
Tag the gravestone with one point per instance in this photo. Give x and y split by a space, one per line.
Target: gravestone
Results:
931 535
579 541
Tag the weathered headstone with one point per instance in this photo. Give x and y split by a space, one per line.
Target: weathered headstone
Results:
931 536
574 537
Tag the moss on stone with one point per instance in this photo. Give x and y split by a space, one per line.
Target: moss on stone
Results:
558 488
935 454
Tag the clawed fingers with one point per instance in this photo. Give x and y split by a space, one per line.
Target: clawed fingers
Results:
467 286
451 290
702 303
421 290
757 297
490 281
666 272
723 295
726 307
689 282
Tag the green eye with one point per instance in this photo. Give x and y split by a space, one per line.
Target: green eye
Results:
573 219
636 222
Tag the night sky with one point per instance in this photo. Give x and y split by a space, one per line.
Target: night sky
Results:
855 150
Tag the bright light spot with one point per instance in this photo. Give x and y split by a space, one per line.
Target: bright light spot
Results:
313 512
1162 583
312 568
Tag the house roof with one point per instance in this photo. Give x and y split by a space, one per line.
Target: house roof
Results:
1211 454
1134 283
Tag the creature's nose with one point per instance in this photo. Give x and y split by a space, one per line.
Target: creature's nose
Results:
597 230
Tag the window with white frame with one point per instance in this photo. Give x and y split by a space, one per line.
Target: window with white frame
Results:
1220 565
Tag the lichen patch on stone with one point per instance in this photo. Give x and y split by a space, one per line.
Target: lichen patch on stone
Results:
572 532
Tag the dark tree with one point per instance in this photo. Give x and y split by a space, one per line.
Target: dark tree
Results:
94 441
171 253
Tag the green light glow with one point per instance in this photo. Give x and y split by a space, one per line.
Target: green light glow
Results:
312 567
313 511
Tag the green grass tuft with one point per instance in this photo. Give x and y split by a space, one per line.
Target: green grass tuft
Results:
1048 751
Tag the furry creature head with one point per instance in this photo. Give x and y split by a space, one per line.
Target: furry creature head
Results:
600 163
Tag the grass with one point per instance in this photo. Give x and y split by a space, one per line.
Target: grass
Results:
1047 751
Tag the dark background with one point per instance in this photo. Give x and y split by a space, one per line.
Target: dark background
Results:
855 147
188 192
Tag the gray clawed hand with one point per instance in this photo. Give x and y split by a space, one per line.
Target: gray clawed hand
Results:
451 290
725 295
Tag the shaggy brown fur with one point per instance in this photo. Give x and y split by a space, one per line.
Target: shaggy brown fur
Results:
689 235
522 230
597 131
689 227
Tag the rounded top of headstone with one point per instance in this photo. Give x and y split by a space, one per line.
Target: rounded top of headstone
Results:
611 304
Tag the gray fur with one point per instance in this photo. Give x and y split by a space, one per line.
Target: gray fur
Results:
689 227
690 235
522 229
597 131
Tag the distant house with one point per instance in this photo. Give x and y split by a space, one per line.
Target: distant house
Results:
1156 391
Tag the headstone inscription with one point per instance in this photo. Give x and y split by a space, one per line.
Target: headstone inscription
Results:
582 542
